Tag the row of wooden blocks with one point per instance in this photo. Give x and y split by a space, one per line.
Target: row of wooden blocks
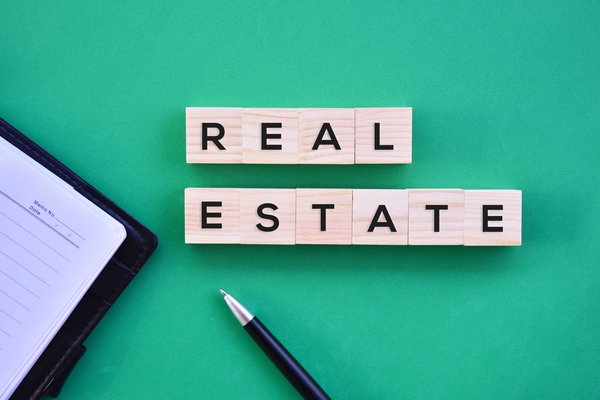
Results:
353 216
299 135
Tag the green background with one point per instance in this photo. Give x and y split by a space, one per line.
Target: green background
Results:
504 96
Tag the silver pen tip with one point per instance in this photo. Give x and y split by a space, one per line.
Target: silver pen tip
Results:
224 293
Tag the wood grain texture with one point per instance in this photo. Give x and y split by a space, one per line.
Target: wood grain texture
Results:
230 215
338 220
421 221
510 200
395 128
365 203
353 212
252 152
342 124
284 200
230 118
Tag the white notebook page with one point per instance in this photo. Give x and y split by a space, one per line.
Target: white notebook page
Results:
53 244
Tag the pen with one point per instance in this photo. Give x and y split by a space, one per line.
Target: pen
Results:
287 364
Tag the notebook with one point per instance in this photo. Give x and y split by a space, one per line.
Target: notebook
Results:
66 253
53 244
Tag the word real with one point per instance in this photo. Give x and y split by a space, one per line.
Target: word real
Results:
353 216
299 135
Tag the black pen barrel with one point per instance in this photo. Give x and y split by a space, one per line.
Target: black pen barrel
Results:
287 364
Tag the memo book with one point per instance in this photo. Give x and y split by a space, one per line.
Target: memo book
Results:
66 254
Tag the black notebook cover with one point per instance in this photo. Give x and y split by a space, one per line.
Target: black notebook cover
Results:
49 373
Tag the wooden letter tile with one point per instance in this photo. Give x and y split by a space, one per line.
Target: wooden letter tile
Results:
436 216
330 132
492 218
212 215
379 216
268 216
216 122
323 216
270 135
383 135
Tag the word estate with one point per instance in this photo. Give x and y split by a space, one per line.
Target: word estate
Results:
353 216
299 136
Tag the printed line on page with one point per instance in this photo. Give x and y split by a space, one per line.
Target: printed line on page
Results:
68 227
34 236
41 220
15 300
25 268
10 316
20 284
28 251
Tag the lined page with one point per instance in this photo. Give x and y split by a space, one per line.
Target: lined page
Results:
53 244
